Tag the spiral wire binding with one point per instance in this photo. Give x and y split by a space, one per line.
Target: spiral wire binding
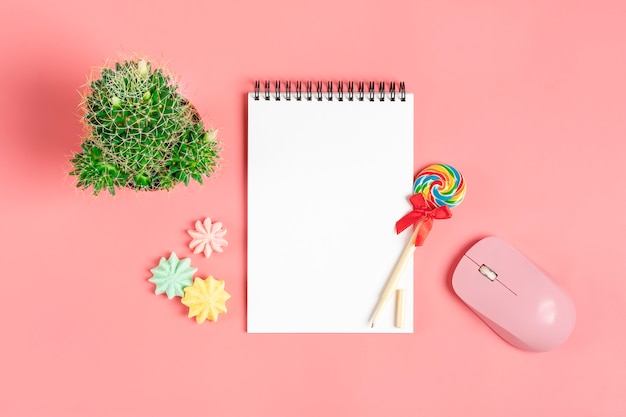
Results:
298 90
288 90
384 93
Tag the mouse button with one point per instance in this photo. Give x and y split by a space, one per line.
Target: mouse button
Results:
522 276
486 297
466 277
484 249
492 252
511 267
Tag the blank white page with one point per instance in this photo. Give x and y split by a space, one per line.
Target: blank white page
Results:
327 181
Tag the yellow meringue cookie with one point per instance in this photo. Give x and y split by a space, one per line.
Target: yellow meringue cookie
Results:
206 299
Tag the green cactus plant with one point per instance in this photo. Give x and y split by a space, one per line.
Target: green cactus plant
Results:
141 133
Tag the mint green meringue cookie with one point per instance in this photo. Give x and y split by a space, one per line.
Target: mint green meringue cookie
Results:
172 276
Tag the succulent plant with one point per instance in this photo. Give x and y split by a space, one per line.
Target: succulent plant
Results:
141 133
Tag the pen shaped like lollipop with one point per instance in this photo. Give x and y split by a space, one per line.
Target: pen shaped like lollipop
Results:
437 188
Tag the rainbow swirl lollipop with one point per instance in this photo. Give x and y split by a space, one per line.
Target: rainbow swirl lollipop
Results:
441 185
437 188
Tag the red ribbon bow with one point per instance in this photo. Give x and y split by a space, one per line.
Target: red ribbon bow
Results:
422 213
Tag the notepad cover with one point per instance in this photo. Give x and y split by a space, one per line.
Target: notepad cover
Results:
327 180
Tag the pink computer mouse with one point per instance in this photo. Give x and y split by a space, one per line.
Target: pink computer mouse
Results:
518 300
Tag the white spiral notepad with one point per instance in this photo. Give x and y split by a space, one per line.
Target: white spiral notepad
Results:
330 169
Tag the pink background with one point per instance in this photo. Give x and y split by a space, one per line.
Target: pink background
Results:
526 98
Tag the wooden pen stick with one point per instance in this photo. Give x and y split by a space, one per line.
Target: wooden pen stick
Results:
400 308
396 274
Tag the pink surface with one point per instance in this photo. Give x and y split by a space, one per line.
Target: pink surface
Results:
527 99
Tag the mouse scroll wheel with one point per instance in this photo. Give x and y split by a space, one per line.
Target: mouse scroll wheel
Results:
488 272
